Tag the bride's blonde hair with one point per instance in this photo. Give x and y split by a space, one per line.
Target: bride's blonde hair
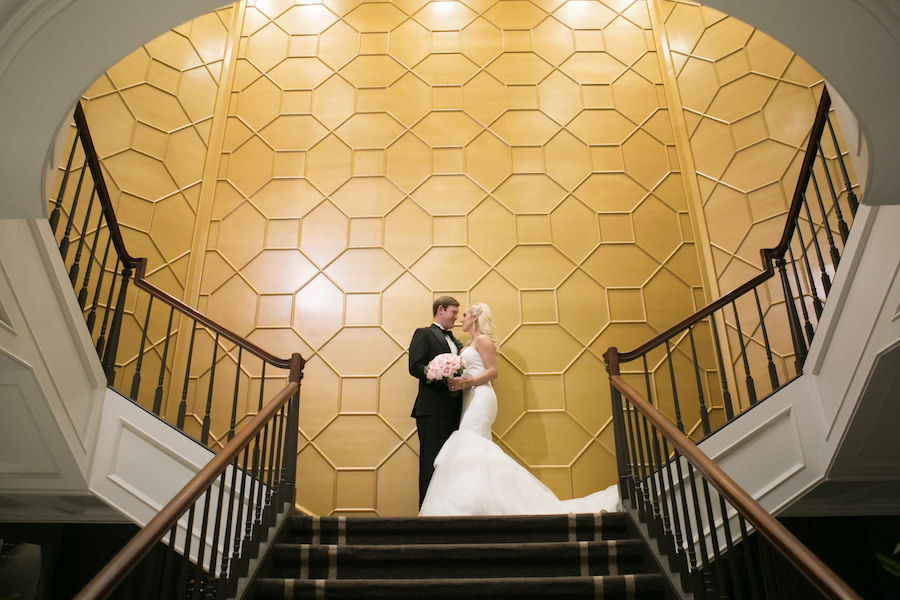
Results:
484 322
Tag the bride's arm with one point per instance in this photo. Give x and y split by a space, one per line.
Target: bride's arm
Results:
485 348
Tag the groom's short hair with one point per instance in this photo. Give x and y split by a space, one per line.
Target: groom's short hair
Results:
443 301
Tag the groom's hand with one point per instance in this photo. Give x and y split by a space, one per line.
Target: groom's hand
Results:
455 383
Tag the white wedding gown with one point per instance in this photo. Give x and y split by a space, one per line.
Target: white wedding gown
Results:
473 476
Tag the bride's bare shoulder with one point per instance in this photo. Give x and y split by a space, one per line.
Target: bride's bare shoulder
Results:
482 341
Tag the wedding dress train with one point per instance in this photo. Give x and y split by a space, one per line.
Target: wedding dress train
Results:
473 476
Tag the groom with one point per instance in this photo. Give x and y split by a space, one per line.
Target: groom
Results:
436 411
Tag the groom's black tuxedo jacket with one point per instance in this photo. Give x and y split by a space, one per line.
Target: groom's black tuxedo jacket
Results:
433 398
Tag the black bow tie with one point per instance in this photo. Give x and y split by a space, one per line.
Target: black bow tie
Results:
447 332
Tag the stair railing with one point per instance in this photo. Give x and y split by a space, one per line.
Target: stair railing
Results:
718 539
167 357
752 341
202 378
238 495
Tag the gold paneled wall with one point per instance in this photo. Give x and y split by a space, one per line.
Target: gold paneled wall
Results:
151 118
371 156
406 150
748 103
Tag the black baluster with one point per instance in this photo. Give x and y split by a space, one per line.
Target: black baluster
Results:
229 519
823 274
718 561
157 396
704 416
730 555
101 341
793 319
832 249
182 407
651 469
647 380
204 431
851 196
701 539
683 557
217 530
804 254
667 541
807 324
261 449
674 388
199 576
186 560
685 513
115 329
64 242
95 302
54 214
237 381
726 395
842 225
82 295
239 522
73 270
279 455
271 475
637 481
773 374
136 378
751 387
250 533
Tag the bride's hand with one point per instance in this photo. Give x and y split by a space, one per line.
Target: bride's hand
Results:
455 383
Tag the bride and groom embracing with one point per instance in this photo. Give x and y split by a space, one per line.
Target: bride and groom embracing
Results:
461 470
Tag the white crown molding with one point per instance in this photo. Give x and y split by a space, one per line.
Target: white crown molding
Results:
21 19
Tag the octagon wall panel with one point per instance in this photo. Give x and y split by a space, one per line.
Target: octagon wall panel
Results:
519 153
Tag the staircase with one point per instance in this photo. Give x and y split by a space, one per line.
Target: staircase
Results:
556 556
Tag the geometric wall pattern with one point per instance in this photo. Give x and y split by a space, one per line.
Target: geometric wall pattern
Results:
375 155
748 103
151 117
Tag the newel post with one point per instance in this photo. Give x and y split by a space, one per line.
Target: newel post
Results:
289 459
612 368
793 317
115 328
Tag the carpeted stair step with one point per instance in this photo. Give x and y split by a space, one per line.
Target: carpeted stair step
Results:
424 561
303 529
636 587
435 558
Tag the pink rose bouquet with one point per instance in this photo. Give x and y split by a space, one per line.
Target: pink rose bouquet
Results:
443 366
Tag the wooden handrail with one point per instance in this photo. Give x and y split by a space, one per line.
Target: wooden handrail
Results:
90 153
140 282
807 564
768 255
140 264
121 565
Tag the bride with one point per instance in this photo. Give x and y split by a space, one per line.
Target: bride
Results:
472 475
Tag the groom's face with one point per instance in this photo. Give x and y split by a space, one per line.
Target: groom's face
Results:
446 317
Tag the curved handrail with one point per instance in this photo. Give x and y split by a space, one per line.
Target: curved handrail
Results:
142 283
807 563
768 255
106 581
139 265
90 153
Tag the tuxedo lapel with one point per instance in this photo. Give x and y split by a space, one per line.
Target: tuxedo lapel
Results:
439 335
